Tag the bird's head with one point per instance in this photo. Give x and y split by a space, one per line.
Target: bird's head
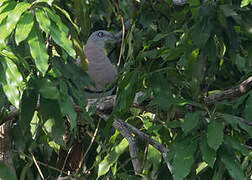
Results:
101 37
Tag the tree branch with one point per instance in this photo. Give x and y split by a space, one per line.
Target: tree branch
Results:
133 149
233 92
107 103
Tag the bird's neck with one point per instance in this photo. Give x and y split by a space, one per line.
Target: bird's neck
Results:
95 54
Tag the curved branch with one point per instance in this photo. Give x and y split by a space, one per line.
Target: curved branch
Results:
233 92
133 149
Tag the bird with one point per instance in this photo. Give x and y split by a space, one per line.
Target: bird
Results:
100 69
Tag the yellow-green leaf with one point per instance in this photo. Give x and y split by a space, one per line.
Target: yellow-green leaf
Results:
24 27
111 158
11 80
43 20
59 33
5 8
12 19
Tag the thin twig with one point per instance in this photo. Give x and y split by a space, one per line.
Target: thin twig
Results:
36 163
63 167
89 147
123 33
39 162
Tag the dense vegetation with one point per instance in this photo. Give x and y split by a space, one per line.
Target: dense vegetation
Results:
176 55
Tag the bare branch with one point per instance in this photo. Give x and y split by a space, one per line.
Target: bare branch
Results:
147 138
233 92
133 149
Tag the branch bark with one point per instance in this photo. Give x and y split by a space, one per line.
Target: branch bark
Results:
233 92
106 103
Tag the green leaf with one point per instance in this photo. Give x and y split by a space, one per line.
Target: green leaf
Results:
234 122
6 173
126 91
34 124
111 158
154 159
208 154
68 17
28 105
24 27
47 89
191 120
248 107
59 32
25 170
1 2
228 10
183 158
245 2
43 20
12 19
236 145
54 122
240 62
158 37
4 9
215 133
11 80
66 105
38 49
201 32
232 164
49 2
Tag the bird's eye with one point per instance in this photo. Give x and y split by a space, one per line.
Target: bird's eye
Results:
100 34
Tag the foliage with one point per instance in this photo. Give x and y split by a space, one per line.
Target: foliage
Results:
176 54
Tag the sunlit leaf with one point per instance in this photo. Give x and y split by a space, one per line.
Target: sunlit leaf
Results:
24 27
153 158
34 124
2 1
4 9
43 20
111 158
49 2
59 33
11 80
68 17
38 49
245 3
13 18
